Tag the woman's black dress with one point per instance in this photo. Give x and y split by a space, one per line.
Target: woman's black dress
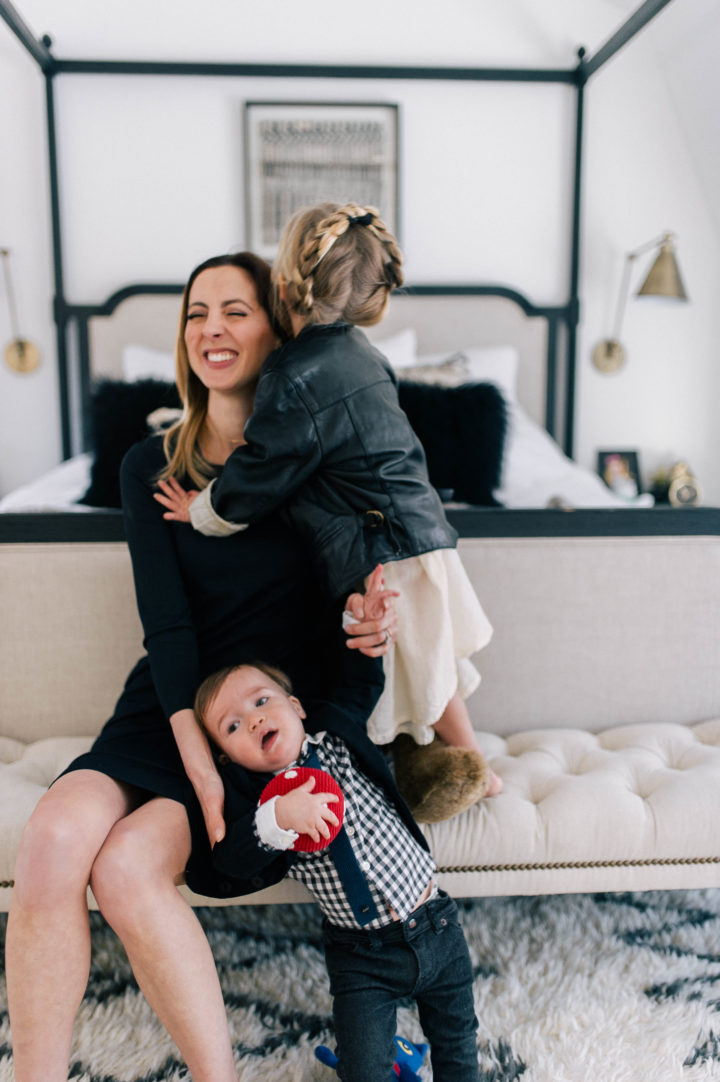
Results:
204 602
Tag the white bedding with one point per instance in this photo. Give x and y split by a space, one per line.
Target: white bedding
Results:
58 490
535 472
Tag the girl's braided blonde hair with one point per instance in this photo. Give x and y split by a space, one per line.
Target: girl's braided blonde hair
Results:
337 262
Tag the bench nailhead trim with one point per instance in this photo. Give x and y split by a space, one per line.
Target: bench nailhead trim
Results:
560 865
659 861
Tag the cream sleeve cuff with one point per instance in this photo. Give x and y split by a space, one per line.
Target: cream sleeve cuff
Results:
268 831
205 519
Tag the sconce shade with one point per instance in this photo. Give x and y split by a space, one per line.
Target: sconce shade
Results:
663 279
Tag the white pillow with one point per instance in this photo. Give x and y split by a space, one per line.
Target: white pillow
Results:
400 349
141 362
486 364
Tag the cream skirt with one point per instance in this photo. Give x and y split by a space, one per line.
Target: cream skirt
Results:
440 625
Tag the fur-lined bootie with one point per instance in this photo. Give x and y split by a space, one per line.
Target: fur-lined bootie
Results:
438 781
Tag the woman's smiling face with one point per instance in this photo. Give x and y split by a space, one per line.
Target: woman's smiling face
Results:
227 331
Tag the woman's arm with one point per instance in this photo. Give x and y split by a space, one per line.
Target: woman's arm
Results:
163 604
200 768
170 637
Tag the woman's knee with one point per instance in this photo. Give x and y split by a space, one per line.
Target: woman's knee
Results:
115 871
53 857
64 835
132 865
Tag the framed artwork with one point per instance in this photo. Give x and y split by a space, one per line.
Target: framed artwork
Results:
301 153
620 471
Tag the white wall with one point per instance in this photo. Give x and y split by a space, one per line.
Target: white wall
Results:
151 174
641 181
29 427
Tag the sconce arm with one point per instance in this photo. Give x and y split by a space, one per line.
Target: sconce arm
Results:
664 238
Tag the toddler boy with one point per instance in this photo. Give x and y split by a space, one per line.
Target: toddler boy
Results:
389 933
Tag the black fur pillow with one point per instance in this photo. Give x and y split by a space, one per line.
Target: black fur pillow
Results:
118 413
462 430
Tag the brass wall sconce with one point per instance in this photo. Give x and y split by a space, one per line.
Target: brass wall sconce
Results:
663 280
21 355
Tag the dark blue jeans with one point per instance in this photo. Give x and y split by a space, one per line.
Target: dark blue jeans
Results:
424 958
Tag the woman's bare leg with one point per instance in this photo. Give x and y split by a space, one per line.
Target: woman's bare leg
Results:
455 728
48 935
135 881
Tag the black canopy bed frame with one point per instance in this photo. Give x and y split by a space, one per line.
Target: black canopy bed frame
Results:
562 320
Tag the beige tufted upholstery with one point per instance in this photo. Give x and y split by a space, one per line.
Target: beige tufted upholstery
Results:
583 811
603 665
26 770
578 810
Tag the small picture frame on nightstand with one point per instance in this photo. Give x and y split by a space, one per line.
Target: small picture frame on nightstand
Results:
620 471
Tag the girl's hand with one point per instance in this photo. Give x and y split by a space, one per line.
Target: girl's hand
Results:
306 812
371 620
176 499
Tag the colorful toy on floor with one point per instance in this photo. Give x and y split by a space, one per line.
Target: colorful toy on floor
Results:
408 1058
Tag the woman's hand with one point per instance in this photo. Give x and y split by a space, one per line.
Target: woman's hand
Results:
200 768
370 619
211 796
176 499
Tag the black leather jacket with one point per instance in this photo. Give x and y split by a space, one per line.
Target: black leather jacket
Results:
329 440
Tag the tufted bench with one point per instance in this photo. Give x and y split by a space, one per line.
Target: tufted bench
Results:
26 771
597 706
618 795
635 807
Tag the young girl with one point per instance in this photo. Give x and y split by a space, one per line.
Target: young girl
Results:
327 439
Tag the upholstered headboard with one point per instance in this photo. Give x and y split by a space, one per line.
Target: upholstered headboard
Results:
444 319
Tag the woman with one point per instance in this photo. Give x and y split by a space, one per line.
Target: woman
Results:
135 815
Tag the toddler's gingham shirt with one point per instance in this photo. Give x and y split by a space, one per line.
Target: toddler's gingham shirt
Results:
396 867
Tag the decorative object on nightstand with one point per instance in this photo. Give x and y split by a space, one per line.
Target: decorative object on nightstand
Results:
620 470
663 280
676 485
21 355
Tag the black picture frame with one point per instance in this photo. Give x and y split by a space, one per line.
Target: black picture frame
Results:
620 470
298 154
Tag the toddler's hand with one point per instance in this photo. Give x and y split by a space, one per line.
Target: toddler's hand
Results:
306 812
176 499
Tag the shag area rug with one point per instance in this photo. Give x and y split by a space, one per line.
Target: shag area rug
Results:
578 988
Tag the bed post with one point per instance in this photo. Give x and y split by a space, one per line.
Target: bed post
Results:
59 306
40 52
574 296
